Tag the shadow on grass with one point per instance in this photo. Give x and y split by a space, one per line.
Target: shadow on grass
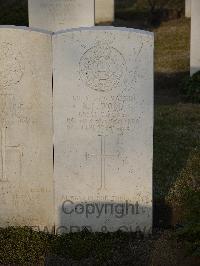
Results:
171 137
14 12
176 134
22 246
167 87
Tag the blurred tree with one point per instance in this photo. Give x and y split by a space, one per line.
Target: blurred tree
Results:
162 4
163 9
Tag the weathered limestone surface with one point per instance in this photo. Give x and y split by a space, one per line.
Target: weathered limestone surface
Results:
103 126
26 165
195 37
104 11
56 15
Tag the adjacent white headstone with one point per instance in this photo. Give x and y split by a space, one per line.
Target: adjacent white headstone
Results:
55 15
195 37
26 164
104 11
188 8
103 119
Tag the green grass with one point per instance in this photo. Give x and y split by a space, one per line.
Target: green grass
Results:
172 45
176 137
22 246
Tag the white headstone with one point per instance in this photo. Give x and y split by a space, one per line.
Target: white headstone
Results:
56 15
104 11
188 8
26 164
195 37
103 119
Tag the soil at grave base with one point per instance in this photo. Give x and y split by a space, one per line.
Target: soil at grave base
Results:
159 250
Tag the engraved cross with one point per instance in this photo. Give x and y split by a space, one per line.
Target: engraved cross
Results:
4 148
103 155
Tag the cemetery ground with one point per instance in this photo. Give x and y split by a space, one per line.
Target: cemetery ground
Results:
176 234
